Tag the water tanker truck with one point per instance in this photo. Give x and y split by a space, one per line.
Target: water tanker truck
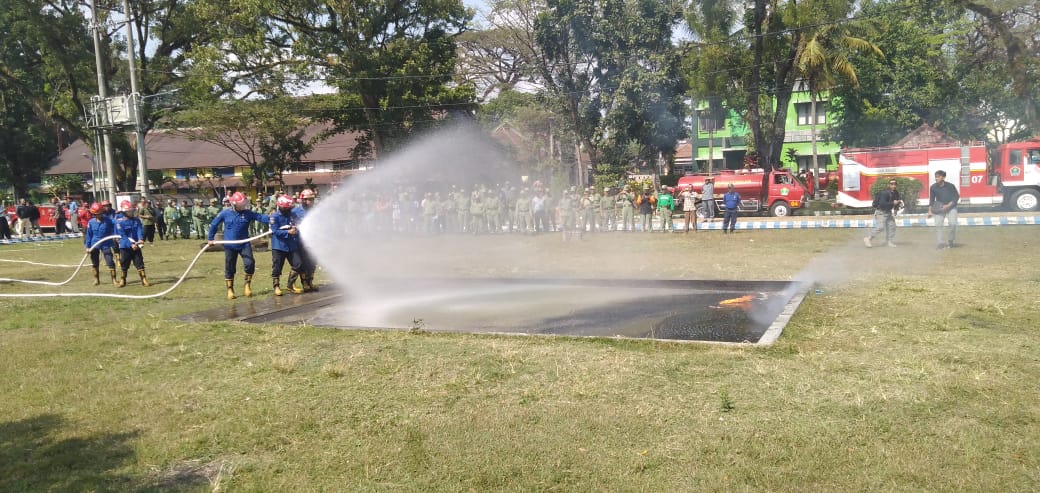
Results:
784 195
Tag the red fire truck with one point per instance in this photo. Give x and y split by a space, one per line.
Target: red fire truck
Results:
785 193
1010 175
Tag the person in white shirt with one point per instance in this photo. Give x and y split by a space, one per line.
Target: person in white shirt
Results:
689 207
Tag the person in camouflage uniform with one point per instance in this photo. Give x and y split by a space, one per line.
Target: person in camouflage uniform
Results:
184 223
626 202
462 209
477 218
522 212
493 212
568 209
172 217
588 211
606 211
211 212
147 217
198 219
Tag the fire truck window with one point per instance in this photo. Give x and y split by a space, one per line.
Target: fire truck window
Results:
783 180
1015 157
1034 156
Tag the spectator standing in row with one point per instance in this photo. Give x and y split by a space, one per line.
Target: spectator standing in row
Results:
626 201
147 216
731 201
646 203
665 207
24 221
689 205
60 215
171 217
708 198
607 214
5 226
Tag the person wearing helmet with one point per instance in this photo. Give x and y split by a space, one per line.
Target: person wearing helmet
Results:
100 226
307 265
285 243
236 220
131 234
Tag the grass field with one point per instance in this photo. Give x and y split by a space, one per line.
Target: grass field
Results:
913 370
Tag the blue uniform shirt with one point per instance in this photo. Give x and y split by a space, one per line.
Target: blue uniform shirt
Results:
731 200
281 240
129 230
236 225
99 227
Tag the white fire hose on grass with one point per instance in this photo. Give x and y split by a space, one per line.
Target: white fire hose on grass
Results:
123 296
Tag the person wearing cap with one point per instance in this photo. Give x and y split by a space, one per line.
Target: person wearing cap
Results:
171 216
184 222
708 198
236 220
731 202
625 201
212 211
100 226
568 213
285 244
477 213
198 219
588 204
147 217
493 211
522 212
130 232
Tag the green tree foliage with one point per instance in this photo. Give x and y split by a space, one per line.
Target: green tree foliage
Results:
26 144
266 135
391 63
614 73
61 186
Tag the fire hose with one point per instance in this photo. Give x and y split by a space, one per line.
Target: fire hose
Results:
123 296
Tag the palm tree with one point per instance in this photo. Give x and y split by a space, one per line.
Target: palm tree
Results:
823 60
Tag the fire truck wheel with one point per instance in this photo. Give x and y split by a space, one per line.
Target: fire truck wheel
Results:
780 209
1025 200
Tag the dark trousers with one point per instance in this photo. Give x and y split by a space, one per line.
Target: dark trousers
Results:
149 233
160 227
231 260
307 264
5 228
278 258
95 257
59 225
729 219
128 255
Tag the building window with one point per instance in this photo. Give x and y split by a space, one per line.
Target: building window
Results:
344 165
223 172
181 174
705 124
805 109
302 168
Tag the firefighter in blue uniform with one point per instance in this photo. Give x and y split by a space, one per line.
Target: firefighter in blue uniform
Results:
236 220
285 236
306 275
100 227
131 239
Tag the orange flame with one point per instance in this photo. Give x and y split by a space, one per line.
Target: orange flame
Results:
737 301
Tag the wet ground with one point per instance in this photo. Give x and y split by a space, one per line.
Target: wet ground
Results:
717 311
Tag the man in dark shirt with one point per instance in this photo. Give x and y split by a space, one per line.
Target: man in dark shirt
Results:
886 204
942 202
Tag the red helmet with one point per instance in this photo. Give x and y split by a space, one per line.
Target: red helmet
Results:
238 198
306 194
95 208
284 201
125 206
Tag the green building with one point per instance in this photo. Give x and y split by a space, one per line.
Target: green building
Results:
727 142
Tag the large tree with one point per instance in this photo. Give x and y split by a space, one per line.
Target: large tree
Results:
391 63
613 71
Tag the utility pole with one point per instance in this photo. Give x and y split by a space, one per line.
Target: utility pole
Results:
135 104
106 145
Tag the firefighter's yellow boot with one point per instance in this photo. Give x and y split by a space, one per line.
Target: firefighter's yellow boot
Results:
115 282
290 285
248 290
230 283
97 276
144 278
276 282
122 280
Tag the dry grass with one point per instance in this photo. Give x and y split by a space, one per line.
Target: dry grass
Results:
912 371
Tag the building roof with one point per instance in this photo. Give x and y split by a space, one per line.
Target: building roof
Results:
173 150
924 136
